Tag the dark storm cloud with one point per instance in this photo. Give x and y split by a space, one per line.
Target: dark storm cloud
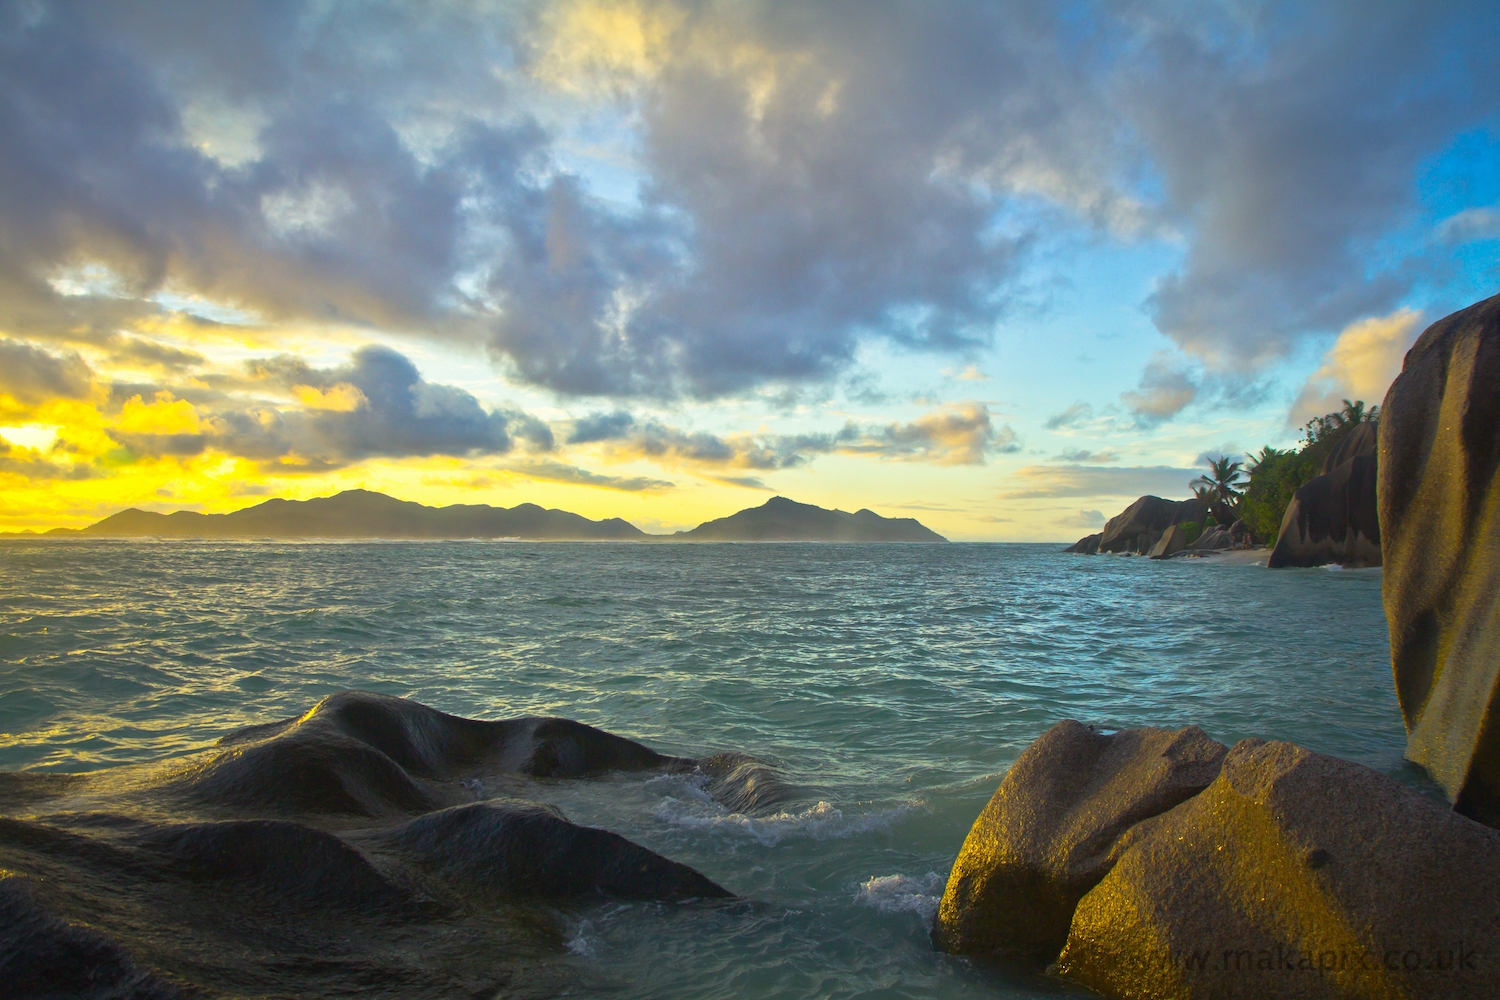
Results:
32 375
378 405
812 175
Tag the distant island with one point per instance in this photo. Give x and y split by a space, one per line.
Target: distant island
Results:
783 520
366 514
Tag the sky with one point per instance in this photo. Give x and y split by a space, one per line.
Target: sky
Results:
1003 267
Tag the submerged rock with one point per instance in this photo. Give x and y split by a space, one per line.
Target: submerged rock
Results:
743 784
1295 876
1440 524
1048 834
1333 517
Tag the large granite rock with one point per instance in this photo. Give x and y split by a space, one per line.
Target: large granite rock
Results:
1440 536
1333 518
1295 876
1048 834
1088 545
1214 539
1140 526
1172 541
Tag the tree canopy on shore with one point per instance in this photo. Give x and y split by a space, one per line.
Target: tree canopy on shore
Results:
1276 474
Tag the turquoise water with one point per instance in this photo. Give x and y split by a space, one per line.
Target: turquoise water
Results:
891 684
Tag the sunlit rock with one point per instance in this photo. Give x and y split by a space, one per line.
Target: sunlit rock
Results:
1297 876
1048 834
1440 526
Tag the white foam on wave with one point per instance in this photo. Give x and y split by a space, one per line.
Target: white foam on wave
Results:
919 894
685 804
583 941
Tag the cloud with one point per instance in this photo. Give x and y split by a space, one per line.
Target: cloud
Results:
1166 388
1081 519
1361 364
32 375
1083 455
557 472
960 434
1074 416
1051 481
773 187
601 427
1471 225
377 405
28 463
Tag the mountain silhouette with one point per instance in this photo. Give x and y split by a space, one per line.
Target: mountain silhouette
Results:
364 514
783 520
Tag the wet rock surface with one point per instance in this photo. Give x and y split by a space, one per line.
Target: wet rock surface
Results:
1440 525
339 853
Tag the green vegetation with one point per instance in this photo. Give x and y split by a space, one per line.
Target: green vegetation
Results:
1192 529
1222 481
1275 474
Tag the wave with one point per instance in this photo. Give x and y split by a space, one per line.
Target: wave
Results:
904 894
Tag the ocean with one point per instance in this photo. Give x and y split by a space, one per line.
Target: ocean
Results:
889 685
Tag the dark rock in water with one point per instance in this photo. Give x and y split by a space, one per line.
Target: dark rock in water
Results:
1440 535
743 784
1088 545
319 856
511 848
295 865
42 955
363 754
1333 517
1048 835
1295 876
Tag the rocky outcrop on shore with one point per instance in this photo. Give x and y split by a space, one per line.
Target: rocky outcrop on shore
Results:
1157 528
371 840
1269 871
1440 523
1333 517
1141 526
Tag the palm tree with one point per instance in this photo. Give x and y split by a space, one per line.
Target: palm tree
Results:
1221 482
1355 412
1267 454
